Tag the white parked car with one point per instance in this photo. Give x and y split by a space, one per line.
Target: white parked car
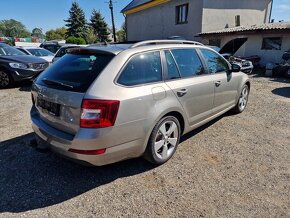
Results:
63 50
38 52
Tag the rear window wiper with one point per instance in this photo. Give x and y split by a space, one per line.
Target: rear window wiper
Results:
53 82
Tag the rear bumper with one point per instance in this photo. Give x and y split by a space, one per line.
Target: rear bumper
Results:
61 142
112 154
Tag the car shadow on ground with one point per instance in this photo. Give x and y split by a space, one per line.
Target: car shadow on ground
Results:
194 132
30 180
284 92
24 86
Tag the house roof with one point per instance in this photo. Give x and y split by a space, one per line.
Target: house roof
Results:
251 28
134 4
140 5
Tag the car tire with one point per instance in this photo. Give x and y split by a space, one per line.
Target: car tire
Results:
163 140
243 100
6 79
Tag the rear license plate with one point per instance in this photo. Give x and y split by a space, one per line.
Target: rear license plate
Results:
48 107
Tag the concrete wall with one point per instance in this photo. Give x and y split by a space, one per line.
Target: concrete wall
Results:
204 15
159 22
254 44
218 14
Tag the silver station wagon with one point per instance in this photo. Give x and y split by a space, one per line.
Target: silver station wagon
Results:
103 104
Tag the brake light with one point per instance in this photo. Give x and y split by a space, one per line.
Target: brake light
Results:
99 113
88 152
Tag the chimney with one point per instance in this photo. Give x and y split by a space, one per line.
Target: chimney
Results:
237 20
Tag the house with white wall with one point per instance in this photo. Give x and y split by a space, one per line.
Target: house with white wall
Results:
269 41
159 19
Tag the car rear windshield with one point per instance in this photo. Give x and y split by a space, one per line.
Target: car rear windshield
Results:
74 72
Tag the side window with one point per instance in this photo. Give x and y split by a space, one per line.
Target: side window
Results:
22 50
1 52
172 69
216 64
61 52
141 69
52 48
188 62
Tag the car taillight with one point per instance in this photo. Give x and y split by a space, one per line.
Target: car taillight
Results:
99 113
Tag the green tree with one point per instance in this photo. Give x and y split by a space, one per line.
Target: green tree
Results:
76 23
37 32
76 40
121 34
99 26
13 28
91 36
58 33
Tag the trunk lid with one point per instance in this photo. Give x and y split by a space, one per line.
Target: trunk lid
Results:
58 108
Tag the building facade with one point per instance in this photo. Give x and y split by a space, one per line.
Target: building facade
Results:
159 19
268 41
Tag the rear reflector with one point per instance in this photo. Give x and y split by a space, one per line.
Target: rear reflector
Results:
88 152
99 113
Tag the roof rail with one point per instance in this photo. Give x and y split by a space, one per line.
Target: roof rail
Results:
159 42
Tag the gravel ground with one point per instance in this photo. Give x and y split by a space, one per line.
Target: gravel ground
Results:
236 166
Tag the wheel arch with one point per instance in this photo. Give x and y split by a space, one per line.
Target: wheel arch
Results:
179 117
248 84
245 81
169 112
2 67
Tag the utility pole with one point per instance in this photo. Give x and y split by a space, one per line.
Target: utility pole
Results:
113 21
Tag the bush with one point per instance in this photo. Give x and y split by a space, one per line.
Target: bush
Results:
76 40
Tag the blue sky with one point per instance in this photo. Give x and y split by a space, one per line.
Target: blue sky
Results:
49 14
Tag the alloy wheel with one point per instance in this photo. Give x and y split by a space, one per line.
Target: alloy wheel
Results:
166 140
4 79
243 98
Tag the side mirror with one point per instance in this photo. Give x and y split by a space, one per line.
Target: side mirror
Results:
235 67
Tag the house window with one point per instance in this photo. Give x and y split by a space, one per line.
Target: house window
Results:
272 43
181 14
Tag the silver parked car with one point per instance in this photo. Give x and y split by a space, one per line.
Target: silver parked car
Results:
38 52
100 105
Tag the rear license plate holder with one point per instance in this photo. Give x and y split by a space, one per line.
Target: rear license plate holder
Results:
48 107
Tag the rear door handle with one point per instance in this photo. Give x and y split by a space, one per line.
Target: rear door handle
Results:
218 83
181 92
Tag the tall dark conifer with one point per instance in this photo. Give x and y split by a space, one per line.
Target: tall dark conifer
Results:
99 26
76 23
